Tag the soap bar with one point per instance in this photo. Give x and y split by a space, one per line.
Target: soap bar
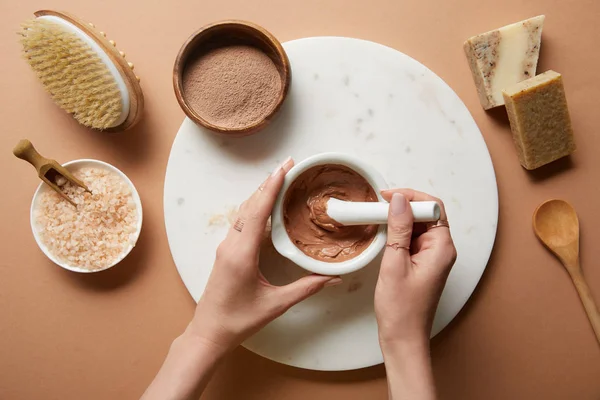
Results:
503 57
539 119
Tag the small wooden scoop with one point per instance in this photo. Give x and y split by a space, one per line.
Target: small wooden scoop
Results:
49 171
555 223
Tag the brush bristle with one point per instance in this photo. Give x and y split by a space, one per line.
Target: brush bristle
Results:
74 75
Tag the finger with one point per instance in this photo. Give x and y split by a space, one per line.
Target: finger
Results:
293 293
415 195
436 252
408 193
255 212
400 224
261 204
429 236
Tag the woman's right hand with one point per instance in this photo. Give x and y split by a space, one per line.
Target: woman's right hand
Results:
413 272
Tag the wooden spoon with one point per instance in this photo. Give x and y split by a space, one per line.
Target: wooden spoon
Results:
555 223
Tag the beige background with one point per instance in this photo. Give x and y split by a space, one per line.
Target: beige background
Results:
523 334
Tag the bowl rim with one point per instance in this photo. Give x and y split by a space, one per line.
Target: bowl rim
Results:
136 198
181 60
279 235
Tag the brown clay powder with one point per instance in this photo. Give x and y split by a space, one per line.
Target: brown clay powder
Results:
232 86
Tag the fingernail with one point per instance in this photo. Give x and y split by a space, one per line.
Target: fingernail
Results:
288 164
281 166
333 282
398 205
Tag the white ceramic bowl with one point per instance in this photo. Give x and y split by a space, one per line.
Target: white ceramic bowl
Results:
76 164
288 249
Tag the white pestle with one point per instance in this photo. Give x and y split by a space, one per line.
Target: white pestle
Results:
376 213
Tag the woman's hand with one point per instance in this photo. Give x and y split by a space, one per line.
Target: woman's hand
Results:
413 271
412 277
238 300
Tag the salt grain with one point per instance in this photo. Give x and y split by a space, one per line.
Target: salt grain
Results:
96 233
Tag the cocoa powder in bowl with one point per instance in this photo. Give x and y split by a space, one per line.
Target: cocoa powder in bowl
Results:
232 86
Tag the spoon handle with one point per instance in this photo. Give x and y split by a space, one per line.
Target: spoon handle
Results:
588 301
367 213
25 151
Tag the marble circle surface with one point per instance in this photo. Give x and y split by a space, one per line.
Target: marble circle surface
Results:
361 98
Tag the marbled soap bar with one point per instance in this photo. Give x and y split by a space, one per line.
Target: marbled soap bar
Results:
503 57
539 119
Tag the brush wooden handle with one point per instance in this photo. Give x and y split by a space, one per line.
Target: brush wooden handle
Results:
587 300
25 151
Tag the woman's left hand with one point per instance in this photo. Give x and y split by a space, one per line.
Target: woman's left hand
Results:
238 301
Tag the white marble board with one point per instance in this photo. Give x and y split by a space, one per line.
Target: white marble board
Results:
364 99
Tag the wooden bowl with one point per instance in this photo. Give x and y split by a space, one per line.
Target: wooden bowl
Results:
225 33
